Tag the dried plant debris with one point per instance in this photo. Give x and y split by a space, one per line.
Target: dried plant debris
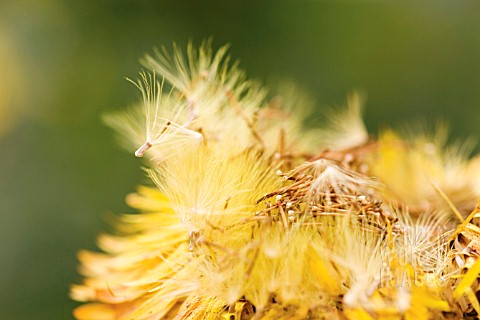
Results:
254 216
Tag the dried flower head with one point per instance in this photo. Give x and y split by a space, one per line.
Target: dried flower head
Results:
252 216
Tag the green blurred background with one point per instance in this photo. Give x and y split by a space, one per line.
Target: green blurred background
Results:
63 64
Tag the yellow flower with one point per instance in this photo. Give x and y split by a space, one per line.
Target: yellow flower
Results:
246 222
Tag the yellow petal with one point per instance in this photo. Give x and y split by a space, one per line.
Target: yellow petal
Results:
321 272
94 311
467 280
357 314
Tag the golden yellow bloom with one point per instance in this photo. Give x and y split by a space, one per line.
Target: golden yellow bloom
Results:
253 217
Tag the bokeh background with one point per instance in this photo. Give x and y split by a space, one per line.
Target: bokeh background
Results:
63 64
